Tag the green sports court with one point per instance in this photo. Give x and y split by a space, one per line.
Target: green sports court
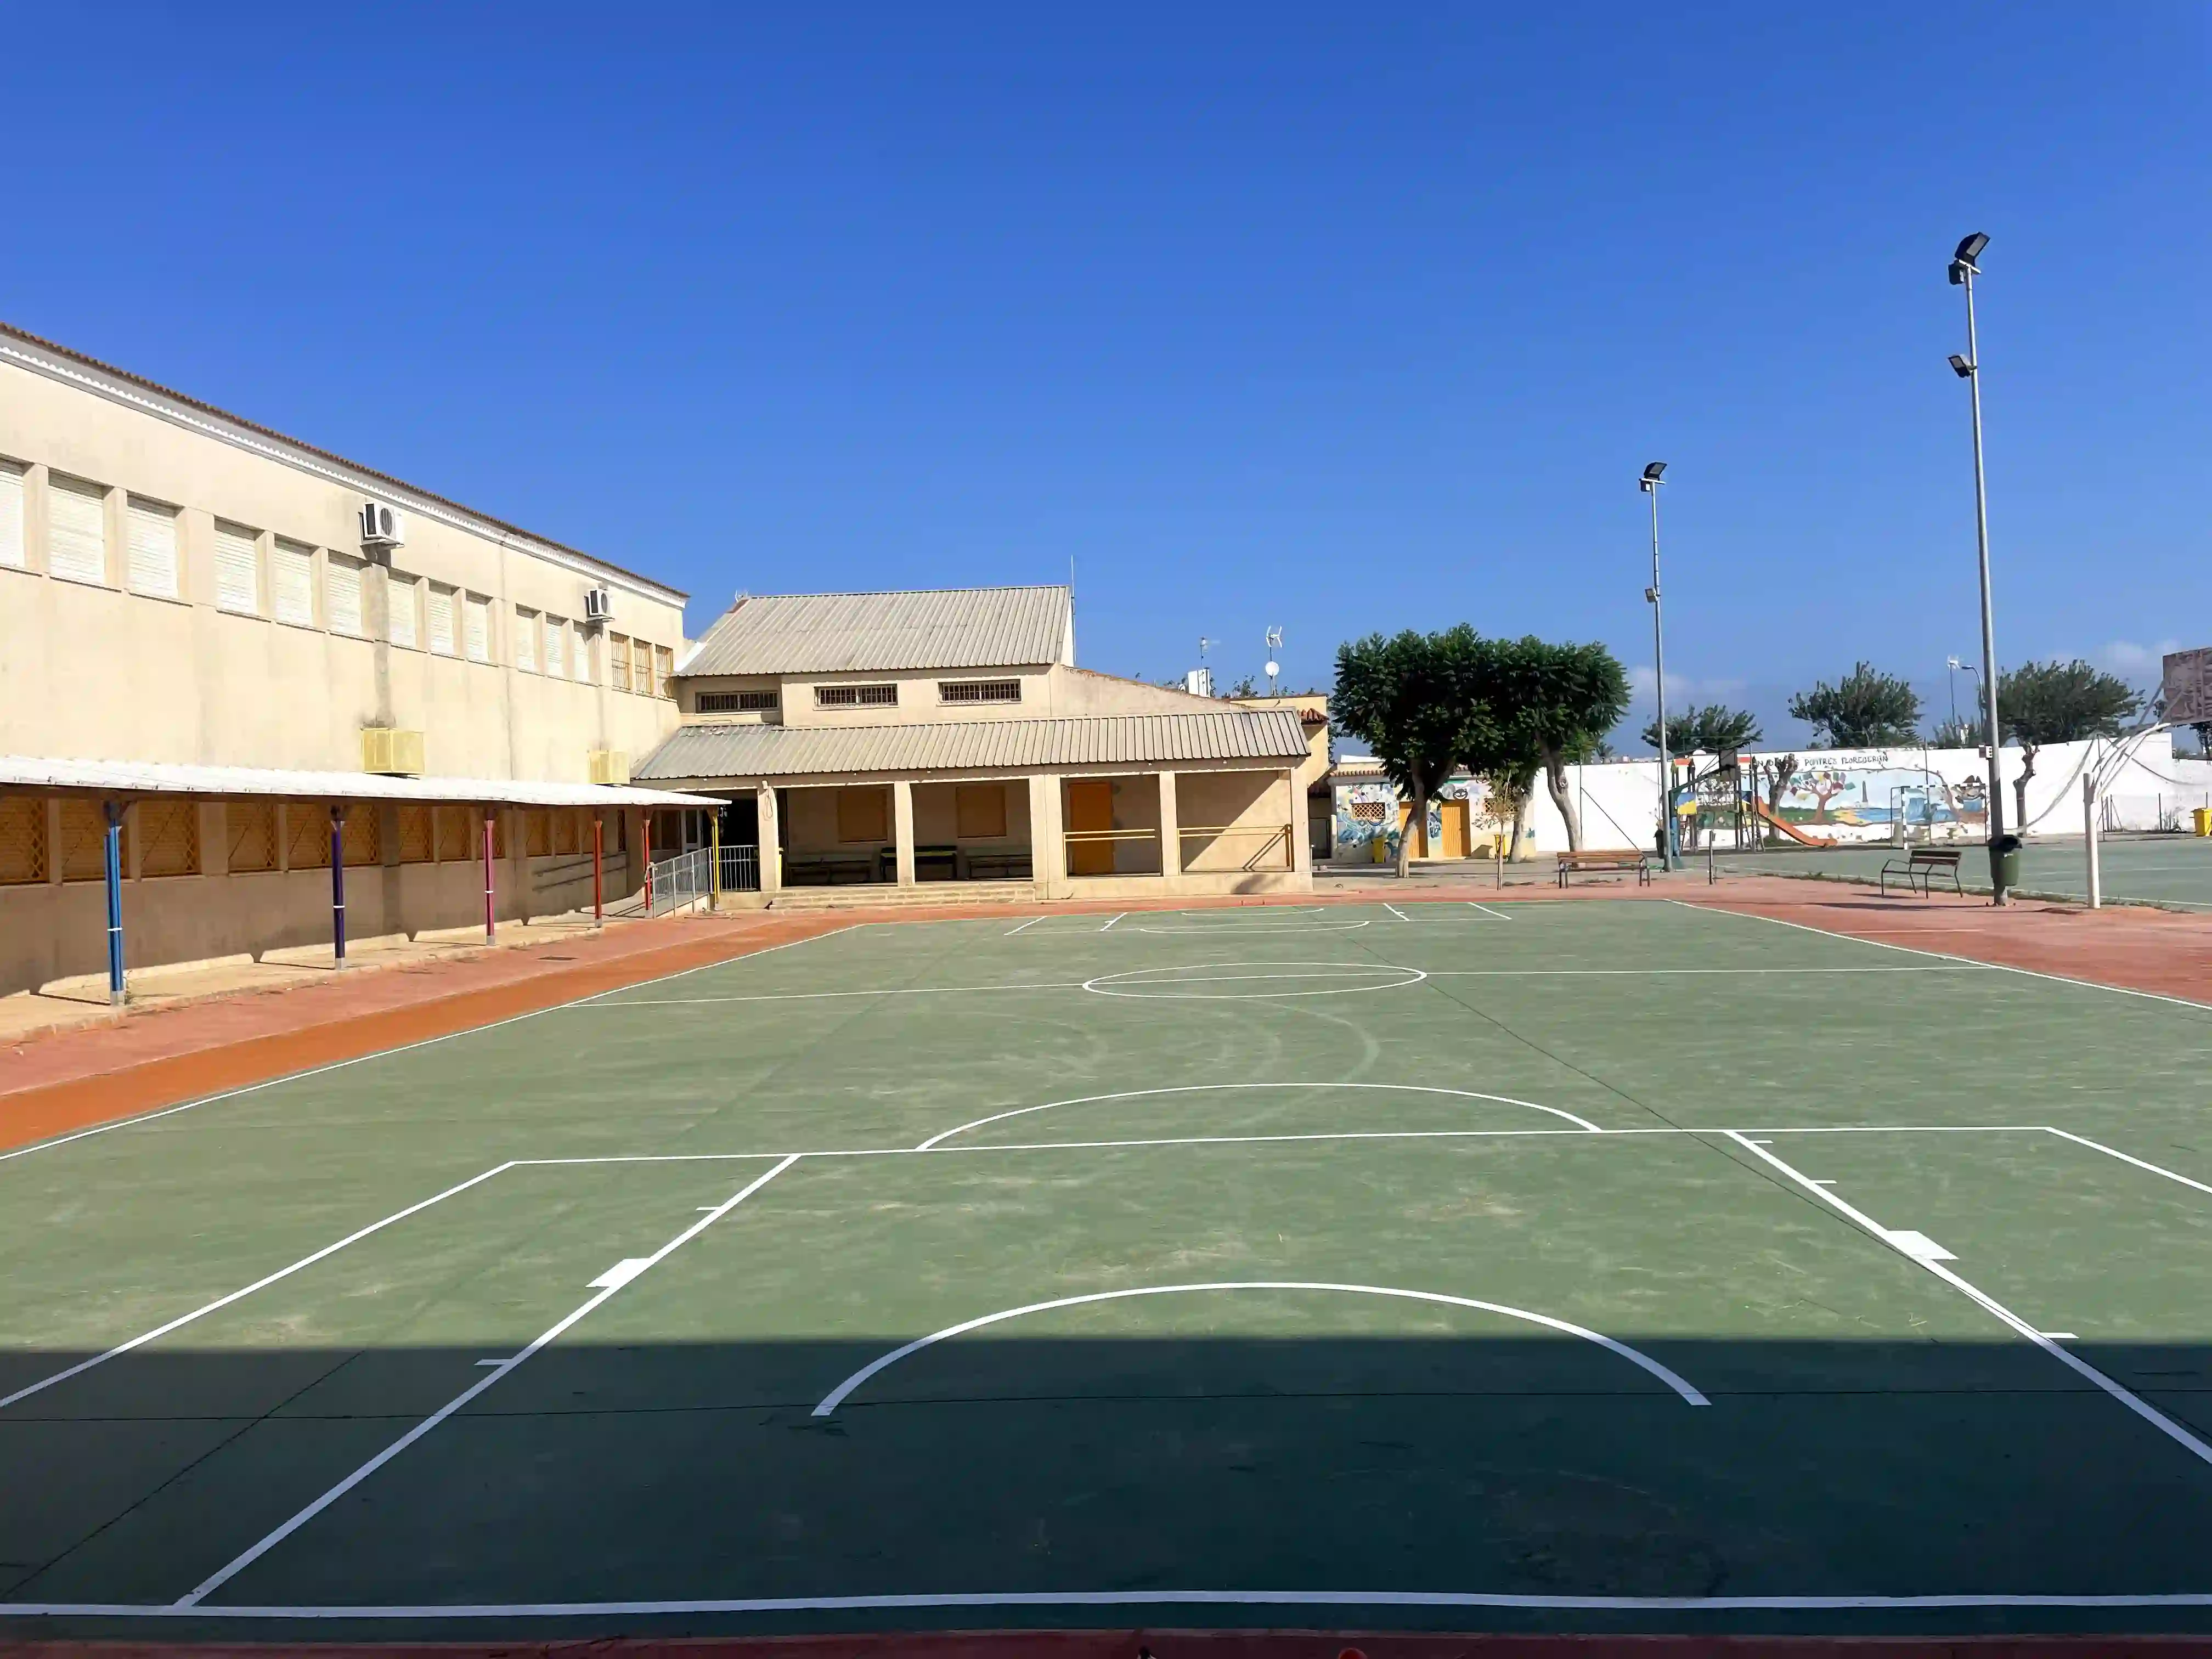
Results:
1612 1265
2172 872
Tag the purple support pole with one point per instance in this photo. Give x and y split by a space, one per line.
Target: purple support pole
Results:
337 885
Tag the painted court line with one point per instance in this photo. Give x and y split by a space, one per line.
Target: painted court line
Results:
262 1283
1396 911
836 1396
1109 928
404 1048
253 1553
2109 1151
2142 1408
813 996
1030 923
1498 915
1639 973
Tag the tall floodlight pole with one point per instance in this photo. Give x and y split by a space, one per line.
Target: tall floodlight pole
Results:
1649 484
1969 369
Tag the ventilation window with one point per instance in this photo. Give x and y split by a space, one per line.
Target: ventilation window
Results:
979 691
855 697
733 703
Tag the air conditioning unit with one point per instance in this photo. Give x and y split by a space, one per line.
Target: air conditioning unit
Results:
382 526
599 604
391 751
610 766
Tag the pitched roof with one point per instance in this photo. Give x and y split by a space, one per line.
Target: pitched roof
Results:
848 633
10 331
751 750
124 778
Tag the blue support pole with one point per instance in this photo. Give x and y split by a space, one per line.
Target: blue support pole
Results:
115 860
337 885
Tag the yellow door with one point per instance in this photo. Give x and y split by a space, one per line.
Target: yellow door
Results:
1420 832
1454 830
1090 807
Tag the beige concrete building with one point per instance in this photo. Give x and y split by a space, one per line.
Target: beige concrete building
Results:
183 590
875 739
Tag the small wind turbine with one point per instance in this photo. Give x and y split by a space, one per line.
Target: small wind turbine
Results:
1274 649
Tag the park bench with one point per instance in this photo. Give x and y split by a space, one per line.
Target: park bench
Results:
830 869
1921 866
1622 860
998 866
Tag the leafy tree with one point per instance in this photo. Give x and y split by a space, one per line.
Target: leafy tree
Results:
2041 702
1546 703
1405 697
1956 735
1868 709
1781 770
1243 688
1716 729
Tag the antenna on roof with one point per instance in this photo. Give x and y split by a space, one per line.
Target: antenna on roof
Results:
1274 649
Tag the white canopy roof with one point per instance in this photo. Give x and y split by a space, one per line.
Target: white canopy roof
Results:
164 778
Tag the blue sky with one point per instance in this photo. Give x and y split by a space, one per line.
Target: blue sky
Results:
1338 319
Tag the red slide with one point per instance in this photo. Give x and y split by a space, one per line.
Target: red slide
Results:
1788 827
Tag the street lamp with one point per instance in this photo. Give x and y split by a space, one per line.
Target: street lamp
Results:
1969 369
1649 484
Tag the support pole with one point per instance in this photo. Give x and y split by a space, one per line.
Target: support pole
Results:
337 885
714 861
114 867
491 926
2090 842
646 815
598 871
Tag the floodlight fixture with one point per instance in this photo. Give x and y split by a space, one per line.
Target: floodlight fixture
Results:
1650 481
1962 261
1960 366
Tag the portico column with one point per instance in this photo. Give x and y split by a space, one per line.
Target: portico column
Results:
1048 846
1300 816
902 830
771 841
1170 828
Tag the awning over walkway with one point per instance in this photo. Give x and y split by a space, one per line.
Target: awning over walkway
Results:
732 750
117 778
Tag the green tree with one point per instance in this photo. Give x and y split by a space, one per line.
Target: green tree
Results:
1551 704
1715 729
2041 702
1961 733
1867 709
1406 697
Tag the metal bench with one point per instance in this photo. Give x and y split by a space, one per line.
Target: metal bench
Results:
830 869
1618 861
1921 867
998 866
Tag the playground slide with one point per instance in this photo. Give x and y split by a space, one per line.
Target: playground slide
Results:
1788 827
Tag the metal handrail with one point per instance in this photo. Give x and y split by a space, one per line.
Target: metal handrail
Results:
1272 832
1111 835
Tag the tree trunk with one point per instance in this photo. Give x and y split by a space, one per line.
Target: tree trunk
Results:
1520 825
2020 788
1555 776
1417 823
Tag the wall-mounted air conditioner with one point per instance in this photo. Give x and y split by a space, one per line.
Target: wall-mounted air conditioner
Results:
391 751
382 526
610 766
599 604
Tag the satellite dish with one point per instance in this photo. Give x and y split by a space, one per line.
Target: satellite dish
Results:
1273 669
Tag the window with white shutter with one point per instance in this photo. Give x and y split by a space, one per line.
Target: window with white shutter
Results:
292 581
557 632
342 595
14 553
237 568
400 607
525 639
583 660
76 530
442 620
150 530
478 631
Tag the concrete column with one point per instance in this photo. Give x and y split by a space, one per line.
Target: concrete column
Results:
902 830
1170 828
771 843
1048 851
1301 831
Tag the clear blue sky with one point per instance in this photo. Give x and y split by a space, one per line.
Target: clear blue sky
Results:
1340 318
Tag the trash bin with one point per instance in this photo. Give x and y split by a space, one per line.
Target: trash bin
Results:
2201 819
2004 861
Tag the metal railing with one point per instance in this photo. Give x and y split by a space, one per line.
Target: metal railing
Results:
1274 852
740 869
1110 839
677 884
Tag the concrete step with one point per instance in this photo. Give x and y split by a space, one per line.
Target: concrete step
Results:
882 895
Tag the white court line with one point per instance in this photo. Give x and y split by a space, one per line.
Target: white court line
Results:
2142 1408
1939 956
1395 911
1109 928
1117 1598
1031 923
222 1575
1582 1123
2093 1145
1488 911
836 1397
1637 973
812 996
262 1283
404 1048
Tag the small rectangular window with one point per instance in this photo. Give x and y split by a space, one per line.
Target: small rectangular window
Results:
477 632
152 535
731 702
979 691
307 836
238 570
293 565
14 552
855 697
557 636
342 595
76 530
22 841
84 842
863 814
664 672
458 841
172 832
619 661
400 600
251 828
442 620
525 639
418 835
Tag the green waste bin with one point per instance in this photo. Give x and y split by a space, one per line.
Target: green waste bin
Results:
2004 861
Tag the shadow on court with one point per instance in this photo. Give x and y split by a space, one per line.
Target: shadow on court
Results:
1539 1468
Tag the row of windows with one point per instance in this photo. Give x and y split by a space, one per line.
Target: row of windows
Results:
859 696
164 838
259 573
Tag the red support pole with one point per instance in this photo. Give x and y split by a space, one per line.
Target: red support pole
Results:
598 872
490 922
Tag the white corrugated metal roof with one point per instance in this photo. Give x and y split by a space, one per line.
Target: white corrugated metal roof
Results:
748 751
165 778
875 633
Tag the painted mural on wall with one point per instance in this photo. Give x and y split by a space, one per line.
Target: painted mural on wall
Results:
1869 795
1367 811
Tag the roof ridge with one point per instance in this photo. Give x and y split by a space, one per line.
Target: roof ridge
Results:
907 592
